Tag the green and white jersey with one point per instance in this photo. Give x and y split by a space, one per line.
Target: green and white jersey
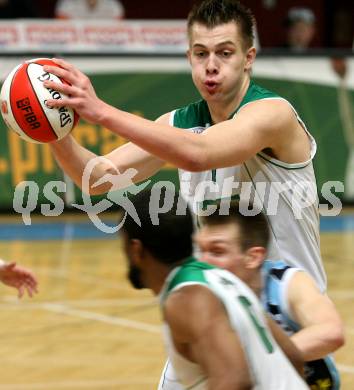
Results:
286 192
268 366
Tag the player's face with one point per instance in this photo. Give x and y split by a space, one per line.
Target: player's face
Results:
219 61
134 276
220 246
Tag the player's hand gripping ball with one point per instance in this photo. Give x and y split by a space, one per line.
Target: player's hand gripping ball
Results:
23 104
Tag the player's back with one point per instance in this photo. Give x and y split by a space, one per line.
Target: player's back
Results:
269 368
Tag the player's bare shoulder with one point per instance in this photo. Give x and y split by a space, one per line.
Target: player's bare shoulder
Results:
274 114
277 120
184 300
189 307
164 119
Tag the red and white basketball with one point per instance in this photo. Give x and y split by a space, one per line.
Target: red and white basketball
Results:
23 104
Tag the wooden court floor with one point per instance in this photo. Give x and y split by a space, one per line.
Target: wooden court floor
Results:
88 329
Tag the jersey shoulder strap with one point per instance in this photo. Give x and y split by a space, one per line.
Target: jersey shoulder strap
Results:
190 272
255 92
197 114
276 278
193 115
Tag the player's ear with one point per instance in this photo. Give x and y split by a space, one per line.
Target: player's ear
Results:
255 257
250 57
136 250
189 54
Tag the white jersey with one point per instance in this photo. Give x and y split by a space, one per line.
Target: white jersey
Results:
268 366
286 192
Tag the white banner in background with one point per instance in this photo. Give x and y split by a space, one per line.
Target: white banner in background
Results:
51 36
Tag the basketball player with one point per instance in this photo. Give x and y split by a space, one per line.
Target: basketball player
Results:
18 277
238 243
240 136
215 331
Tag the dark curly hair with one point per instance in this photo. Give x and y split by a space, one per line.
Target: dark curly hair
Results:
170 239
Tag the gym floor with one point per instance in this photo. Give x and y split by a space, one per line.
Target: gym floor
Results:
88 329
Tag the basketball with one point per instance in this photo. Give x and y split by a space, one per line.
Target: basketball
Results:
23 104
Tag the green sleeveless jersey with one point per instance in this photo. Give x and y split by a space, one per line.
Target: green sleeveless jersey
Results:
286 192
197 115
268 366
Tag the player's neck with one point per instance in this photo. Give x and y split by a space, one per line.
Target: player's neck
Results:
157 277
221 110
256 283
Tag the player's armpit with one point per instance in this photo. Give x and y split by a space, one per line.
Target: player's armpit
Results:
199 324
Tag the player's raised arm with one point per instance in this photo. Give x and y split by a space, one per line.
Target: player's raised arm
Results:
225 144
321 330
207 339
73 159
260 125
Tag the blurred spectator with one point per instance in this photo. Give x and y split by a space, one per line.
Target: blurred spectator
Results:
89 9
300 24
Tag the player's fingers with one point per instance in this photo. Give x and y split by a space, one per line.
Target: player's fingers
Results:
62 73
32 284
34 288
32 278
57 70
29 291
64 102
63 88
64 64
21 290
32 281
